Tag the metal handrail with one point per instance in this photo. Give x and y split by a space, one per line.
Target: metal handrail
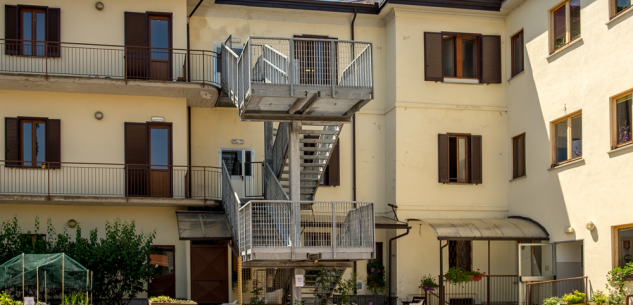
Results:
52 43
530 285
231 202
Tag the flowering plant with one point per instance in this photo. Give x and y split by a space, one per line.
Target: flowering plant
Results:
456 275
428 283
619 275
375 277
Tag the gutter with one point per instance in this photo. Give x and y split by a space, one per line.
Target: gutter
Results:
390 250
188 79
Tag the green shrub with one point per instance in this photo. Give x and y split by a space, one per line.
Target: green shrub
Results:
552 301
599 297
574 298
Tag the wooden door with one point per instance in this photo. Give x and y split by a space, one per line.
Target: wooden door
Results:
209 274
160 160
164 283
159 42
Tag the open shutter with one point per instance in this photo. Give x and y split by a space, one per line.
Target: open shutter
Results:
53 143
11 29
137 175
334 167
433 57
491 59
475 160
53 31
136 36
12 141
442 156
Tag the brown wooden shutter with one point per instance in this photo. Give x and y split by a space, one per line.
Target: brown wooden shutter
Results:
53 31
136 36
11 29
12 141
442 156
135 143
334 167
433 57
53 143
491 59
476 160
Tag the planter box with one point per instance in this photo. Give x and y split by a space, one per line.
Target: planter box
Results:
156 303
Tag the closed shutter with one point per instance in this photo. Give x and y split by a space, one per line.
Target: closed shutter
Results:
137 175
491 59
53 31
476 160
11 141
11 29
136 36
334 167
53 143
442 156
433 57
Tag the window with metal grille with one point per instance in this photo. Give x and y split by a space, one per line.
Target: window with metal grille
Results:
460 254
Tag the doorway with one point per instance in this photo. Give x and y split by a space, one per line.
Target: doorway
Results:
240 165
159 156
148 158
160 54
164 283
209 273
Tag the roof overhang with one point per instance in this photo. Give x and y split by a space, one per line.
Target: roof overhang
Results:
202 225
382 222
513 228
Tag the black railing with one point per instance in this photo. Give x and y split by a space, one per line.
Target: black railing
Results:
491 290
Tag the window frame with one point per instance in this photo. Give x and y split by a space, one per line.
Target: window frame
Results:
468 157
33 10
615 242
613 7
568 39
567 118
458 55
34 162
515 166
614 119
513 52
455 244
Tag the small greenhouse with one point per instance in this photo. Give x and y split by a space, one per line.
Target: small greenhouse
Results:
46 273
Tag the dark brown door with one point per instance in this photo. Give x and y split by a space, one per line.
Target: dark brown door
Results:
209 274
159 160
164 283
159 42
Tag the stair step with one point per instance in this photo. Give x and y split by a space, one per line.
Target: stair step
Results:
304 172
320 141
319 132
311 164
313 157
313 149
302 179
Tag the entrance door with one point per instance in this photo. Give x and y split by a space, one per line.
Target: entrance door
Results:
239 164
163 257
160 55
209 274
537 262
159 156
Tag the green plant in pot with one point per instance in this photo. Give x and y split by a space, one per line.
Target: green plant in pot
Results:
427 283
574 298
460 275
376 277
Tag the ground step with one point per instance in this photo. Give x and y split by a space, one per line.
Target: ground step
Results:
321 141
319 132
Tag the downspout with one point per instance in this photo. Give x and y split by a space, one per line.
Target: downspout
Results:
189 42
189 108
390 259
354 145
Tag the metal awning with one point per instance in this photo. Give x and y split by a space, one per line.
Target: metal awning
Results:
383 222
200 225
514 228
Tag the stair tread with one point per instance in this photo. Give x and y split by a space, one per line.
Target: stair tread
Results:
316 131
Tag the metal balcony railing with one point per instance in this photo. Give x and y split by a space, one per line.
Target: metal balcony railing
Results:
109 180
490 290
537 292
324 64
109 61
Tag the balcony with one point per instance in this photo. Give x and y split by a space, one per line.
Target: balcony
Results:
109 69
286 79
107 183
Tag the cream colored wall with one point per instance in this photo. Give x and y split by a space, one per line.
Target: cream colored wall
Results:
162 220
81 22
86 139
583 77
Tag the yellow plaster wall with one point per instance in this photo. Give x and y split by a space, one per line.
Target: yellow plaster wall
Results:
86 139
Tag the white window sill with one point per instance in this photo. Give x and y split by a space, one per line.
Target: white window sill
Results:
465 81
567 46
567 164
619 149
620 15
520 73
518 178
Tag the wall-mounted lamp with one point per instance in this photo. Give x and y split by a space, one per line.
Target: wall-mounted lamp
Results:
569 230
72 223
98 115
237 141
99 5
591 226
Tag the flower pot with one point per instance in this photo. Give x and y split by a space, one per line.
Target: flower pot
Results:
628 287
428 288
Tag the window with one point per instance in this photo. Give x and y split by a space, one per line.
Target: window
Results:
162 258
567 139
238 162
460 254
148 38
518 156
622 239
517 53
618 6
564 24
27 28
460 56
460 158
32 142
621 115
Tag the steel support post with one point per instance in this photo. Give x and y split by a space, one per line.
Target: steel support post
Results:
296 291
294 162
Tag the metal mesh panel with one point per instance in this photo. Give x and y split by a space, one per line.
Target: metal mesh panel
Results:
270 284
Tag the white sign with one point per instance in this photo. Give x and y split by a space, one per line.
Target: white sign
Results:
29 301
298 281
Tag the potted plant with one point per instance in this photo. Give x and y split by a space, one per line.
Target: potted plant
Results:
575 298
598 297
554 301
428 283
167 300
375 277
457 275
620 278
